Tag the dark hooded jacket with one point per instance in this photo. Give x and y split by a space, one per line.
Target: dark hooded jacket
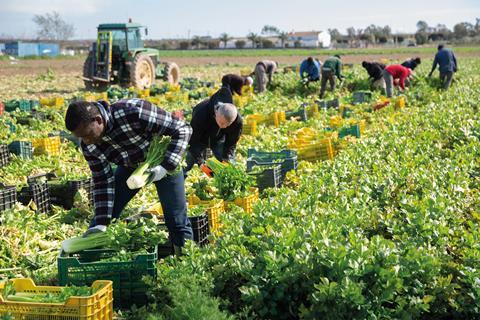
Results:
374 69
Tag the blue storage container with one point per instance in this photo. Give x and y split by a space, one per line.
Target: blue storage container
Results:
21 49
48 49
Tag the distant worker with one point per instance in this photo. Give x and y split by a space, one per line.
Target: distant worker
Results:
447 65
310 70
412 63
394 73
263 74
235 83
375 72
331 68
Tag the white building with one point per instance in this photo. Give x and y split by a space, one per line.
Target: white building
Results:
312 39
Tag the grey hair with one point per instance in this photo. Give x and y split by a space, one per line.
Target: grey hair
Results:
226 110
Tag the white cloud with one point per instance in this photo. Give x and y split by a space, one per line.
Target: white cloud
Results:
61 6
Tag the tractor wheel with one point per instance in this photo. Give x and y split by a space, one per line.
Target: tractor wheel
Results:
142 72
171 72
88 70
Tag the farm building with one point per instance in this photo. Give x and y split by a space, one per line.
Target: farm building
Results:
317 39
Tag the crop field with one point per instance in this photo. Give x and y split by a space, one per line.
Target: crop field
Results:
378 219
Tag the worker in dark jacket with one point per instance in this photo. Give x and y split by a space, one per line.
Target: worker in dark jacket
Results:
412 63
447 65
331 68
310 70
375 72
217 124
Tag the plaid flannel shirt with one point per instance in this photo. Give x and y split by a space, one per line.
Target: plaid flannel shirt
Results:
129 128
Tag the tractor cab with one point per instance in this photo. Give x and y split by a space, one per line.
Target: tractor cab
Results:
120 57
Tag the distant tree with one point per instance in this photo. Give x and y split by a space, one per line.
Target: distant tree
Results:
254 38
421 37
224 37
463 29
477 26
351 33
270 30
422 26
184 45
283 37
51 26
240 44
213 44
197 42
267 44
334 34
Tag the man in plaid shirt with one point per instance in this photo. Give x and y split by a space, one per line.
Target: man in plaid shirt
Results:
121 134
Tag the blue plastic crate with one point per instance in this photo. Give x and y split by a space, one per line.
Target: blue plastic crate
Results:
23 149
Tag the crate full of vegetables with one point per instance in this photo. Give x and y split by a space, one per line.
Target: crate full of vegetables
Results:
123 254
286 158
199 221
4 155
8 197
38 194
22 299
23 149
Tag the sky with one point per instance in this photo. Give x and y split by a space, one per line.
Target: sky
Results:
187 18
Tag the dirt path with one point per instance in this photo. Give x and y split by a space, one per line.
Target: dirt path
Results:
74 65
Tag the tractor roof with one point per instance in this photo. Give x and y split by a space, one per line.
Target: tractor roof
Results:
109 26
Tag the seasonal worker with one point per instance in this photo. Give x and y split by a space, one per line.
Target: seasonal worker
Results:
331 68
375 73
264 71
121 134
216 125
447 63
412 63
395 73
310 70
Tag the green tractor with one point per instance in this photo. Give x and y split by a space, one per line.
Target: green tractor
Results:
119 57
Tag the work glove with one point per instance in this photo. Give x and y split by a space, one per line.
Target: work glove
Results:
97 229
206 170
157 173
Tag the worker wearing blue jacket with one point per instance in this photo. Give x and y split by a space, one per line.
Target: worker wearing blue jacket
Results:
310 70
447 63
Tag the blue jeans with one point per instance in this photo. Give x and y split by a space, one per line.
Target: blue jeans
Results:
171 193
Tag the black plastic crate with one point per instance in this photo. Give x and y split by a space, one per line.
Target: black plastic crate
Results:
23 149
63 193
334 103
165 250
200 228
8 197
38 193
361 96
4 155
300 114
270 177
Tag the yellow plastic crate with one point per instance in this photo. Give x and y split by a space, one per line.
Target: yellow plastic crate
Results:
93 97
336 122
155 209
52 101
49 146
247 202
215 208
250 128
95 307
322 150
312 110
399 103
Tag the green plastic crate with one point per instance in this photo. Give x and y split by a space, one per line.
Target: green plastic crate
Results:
350 131
23 149
83 268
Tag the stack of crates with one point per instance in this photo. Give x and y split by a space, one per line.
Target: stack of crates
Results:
320 150
8 197
23 149
85 267
287 159
250 128
48 146
97 306
361 97
4 155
